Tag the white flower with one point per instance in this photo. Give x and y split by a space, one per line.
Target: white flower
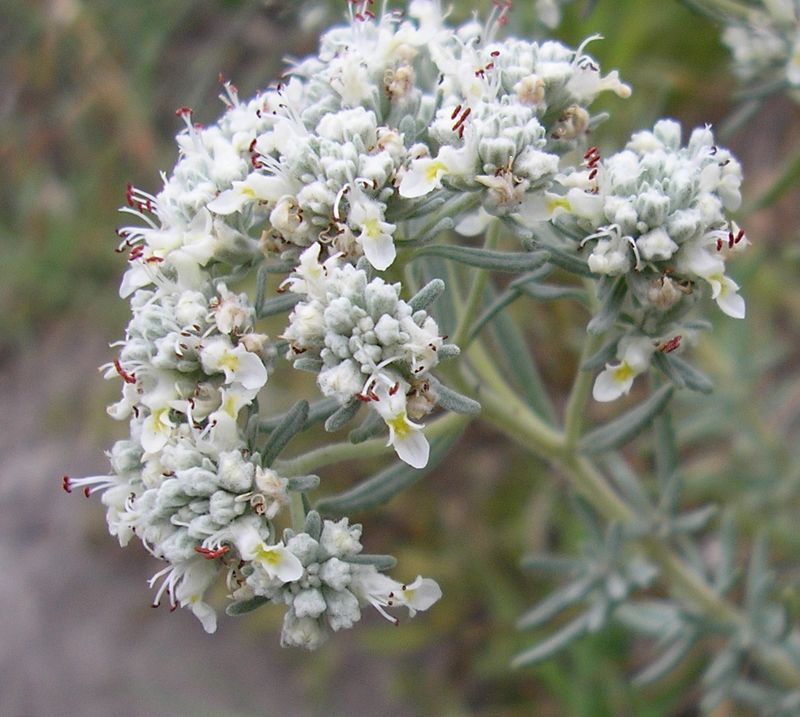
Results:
310 276
276 561
700 259
634 353
381 591
375 236
425 174
405 437
257 187
238 364
185 584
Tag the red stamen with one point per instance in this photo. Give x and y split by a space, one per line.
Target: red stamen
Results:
124 375
671 345
66 484
209 554
455 112
183 112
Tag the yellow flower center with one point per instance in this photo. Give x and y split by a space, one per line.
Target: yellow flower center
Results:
624 373
268 556
558 202
436 170
372 228
399 424
229 361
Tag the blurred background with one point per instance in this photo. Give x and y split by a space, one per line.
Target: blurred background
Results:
87 97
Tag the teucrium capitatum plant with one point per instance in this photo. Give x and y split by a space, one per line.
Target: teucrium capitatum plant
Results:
345 201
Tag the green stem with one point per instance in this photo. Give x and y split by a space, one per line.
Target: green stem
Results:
579 395
725 8
503 410
789 178
297 511
475 297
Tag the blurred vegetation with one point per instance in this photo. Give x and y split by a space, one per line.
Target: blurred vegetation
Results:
87 93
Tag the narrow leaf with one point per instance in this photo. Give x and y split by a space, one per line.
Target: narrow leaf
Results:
682 373
517 358
244 606
666 446
283 267
550 564
554 644
383 486
342 415
292 423
628 483
486 258
671 658
623 429
602 357
313 524
725 573
556 602
550 292
302 483
568 262
317 411
500 303
277 304
373 425
453 401
427 295
381 562
610 309
261 285
306 363
694 520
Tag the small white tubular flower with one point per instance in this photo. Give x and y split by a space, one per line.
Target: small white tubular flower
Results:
156 429
257 187
197 578
238 364
185 583
419 595
232 312
405 437
276 560
310 276
616 380
426 174
700 259
375 237
381 591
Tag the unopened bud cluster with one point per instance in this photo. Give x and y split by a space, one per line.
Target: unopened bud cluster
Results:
653 220
766 47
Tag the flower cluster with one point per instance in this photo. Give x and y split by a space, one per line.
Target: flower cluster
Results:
766 48
369 345
652 219
321 580
373 142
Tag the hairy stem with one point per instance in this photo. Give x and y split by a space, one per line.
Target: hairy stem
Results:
475 297
579 395
506 412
